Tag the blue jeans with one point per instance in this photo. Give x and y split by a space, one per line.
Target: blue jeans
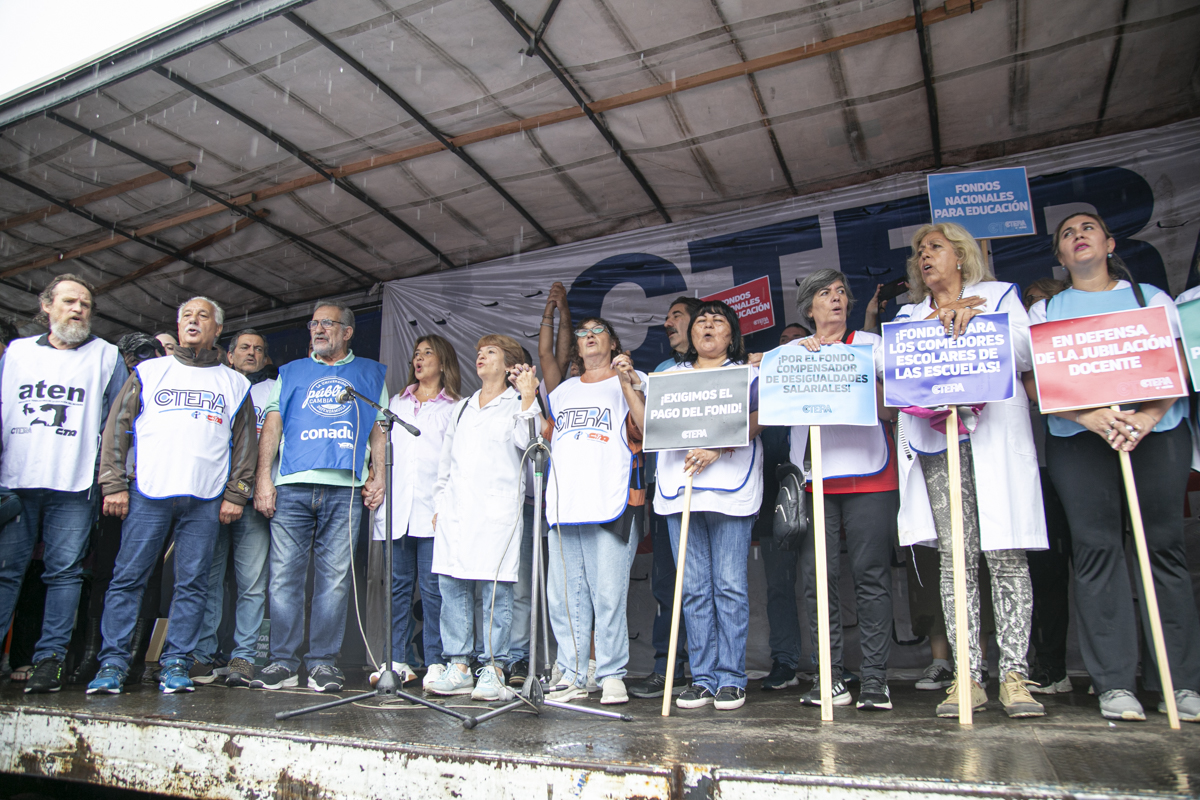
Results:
412 562
65 519
142 536
458 619
783 618
311 516
595 597
662 587
518 647
716 600
250 537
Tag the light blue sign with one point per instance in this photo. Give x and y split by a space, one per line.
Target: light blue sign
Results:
834 386
922 366
990 204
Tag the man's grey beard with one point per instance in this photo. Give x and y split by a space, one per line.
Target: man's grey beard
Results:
70 331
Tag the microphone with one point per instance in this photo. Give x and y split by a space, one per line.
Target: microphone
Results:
348 394
344 397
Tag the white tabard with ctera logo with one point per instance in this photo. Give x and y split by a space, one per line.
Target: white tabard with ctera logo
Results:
182 433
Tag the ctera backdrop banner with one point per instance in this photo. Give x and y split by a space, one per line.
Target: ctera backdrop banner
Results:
1146 185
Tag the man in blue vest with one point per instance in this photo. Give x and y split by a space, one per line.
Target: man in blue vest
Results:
55 390
313 500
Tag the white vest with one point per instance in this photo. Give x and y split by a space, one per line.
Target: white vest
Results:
259 394
182 434
51 414
590 456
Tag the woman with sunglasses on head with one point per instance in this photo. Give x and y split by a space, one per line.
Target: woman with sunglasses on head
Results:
726 495
593 489
1082 457
427 402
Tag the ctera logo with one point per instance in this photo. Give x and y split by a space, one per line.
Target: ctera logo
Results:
322 396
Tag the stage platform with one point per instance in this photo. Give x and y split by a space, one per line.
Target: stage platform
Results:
225 743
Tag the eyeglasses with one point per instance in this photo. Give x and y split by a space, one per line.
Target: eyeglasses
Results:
582 332
324 323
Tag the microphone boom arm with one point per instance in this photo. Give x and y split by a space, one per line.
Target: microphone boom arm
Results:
348 393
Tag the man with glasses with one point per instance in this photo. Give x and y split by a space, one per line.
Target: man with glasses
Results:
312 496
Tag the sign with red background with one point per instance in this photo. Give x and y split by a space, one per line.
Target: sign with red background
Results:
1106 359
752 302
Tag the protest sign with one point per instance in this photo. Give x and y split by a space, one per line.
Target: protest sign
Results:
1189 316
834 386
752 302
990 204
922 366
697 408
1106 359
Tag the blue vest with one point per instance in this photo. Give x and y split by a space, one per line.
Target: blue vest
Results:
318 431
1072 303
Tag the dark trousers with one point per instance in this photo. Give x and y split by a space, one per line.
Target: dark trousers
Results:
1050 573
1087 474
869 519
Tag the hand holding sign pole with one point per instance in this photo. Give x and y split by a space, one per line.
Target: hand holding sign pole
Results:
686 409
833 385
1102 360
925 368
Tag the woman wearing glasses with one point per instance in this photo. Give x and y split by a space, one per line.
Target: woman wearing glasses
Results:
592 490
726 495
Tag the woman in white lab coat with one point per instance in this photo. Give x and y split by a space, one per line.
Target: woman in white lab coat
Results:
1002 497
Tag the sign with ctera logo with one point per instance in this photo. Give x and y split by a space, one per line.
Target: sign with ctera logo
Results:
688 408
833 386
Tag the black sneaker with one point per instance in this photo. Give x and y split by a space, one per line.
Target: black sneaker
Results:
46 677
202 673
241 673
874 695
936 677
654 684
1045 681
781 677
729 698
518 672
693 697
326 678
275 676
841 695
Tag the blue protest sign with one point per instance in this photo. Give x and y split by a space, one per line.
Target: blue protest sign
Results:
922 366
990 204
834 386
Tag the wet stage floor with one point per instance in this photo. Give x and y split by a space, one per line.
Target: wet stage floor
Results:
771 747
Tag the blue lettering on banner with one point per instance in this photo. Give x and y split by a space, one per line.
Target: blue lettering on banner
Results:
925 367
570 418
179 399
990 204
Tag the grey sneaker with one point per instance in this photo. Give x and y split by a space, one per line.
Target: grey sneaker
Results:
729 698
452 681
490 685
615 692
937 676
694 696
1187 703
591 684
1121 704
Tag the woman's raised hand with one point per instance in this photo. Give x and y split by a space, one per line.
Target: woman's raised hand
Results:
524 377
623 364
557 299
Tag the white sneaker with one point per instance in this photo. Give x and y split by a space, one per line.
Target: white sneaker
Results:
434 672
490 685
614 692
591 685
403 671
453 681
567 694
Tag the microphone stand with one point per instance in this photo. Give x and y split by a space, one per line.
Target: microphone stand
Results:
531 693
389 682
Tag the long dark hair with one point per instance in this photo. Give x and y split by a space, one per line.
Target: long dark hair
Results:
736 352
447 357
576 358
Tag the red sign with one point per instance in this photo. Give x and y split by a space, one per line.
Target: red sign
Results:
752 302
1106 359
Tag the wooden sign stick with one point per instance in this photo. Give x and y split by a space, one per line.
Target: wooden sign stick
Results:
677 605
962 654
824 677
1150 596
